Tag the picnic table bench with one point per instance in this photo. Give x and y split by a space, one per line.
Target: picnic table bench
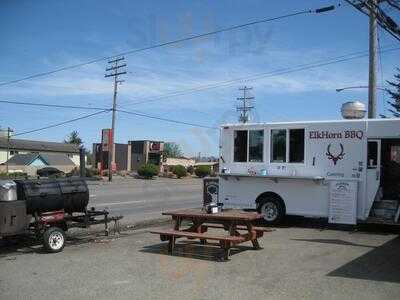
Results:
232 221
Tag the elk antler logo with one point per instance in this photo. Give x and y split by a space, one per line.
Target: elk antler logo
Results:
333 157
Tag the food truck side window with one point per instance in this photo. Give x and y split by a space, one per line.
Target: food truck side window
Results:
256 145
278 145
240 146
296 145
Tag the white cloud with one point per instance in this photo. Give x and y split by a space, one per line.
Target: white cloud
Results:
161 72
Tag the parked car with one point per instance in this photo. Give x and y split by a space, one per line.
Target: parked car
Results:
50 172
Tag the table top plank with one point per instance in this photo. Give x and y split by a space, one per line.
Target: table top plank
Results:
225 215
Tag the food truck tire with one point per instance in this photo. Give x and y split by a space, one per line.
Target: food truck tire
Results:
272 208
54 239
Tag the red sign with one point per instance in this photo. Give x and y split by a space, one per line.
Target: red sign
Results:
106 139
155 146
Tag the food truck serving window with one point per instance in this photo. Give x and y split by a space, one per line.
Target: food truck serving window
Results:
240 146
278 145
296 146
248 144
287 145
256 145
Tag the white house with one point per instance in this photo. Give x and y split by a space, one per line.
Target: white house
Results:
19 146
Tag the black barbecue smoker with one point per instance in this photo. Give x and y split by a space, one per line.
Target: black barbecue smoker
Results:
47 208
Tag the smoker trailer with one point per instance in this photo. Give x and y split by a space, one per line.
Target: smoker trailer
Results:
345 170
48 208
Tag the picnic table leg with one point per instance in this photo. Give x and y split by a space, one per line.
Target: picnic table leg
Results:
177 223
232 229
227 253
198 228
172 239
201 229
171 244
226 246
256 244
253 234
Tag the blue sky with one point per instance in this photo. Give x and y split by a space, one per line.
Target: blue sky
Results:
38 36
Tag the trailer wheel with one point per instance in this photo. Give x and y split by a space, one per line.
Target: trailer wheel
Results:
272 209
54 239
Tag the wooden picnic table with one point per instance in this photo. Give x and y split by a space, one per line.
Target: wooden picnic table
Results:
233 221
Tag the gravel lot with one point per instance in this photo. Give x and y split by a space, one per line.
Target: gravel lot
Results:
299 260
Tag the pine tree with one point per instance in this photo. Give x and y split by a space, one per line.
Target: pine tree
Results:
74 138
395 95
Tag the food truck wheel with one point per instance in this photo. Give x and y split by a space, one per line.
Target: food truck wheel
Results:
271 209
54 239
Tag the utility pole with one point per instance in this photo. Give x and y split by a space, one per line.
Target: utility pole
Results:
245 107
9 130
114 72
377 17
373 53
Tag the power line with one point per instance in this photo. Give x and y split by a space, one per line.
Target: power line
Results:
52 105
62 123
95 60
281 71
353 55
377 16
342 58
394 4
140 114
299 68
384 21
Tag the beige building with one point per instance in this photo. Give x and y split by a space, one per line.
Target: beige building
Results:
183 161
129 157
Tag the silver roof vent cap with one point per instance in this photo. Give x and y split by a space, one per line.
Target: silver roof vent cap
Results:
353 110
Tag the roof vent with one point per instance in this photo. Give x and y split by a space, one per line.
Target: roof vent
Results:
353 110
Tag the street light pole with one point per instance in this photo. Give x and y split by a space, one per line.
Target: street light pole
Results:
359 87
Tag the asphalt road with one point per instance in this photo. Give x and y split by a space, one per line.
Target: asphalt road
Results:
139 200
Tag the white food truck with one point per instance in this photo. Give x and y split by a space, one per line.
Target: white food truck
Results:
345 170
